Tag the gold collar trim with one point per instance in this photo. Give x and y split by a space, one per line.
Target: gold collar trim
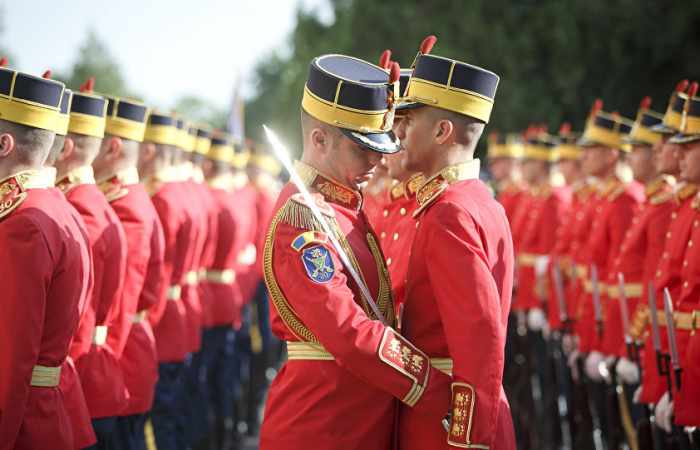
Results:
114 188
76 177
333 191
662 182
407 189
687 190
438 183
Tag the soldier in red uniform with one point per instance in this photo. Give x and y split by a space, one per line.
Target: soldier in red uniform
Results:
224 296
97 362
168 316
45 266
667 270
118 179
686 304
460 274
504 153
345 366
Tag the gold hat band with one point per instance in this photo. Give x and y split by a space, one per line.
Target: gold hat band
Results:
343 116
87 125
124 128
453 99
161 134
28 114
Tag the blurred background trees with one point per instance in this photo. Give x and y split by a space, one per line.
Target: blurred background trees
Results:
554 57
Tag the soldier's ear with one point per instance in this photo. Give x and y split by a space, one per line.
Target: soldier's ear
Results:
319 139
68 147
7 144
444 130
148 151
115 146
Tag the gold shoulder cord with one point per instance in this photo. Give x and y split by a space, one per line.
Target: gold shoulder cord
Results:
385 299
284 309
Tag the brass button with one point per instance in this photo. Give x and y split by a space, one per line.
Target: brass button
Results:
396 236
674 215
696 223
668 234
658 274
388 262
402 211
685 263
685 284
383 235
665 255
386 212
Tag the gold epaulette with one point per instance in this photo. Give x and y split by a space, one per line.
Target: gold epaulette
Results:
619 190
661 197
13 189
297 212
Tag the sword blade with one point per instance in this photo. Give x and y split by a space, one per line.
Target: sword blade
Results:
282 155
655 334
624 311
671 329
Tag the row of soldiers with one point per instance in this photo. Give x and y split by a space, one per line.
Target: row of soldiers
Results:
602 340
130 255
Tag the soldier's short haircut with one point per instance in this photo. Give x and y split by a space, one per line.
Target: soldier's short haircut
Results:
468 130
308 123
32 144
56 148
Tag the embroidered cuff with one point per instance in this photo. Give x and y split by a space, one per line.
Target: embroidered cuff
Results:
403 356
463 401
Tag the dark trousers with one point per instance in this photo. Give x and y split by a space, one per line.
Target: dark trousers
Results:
218 347
196 398
104 429
167 415
129 433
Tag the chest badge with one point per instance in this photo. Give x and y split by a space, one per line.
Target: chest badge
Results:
318 264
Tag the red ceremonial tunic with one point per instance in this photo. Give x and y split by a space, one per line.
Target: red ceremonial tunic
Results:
510 196
245 197
98 367
612 217
546 211
396 230
168 316
337 389
562 256
373 206
45 268
643 242
224 293
142 286
686 309
668 274
458 299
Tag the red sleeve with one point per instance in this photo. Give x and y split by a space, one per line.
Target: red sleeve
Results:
365 347
26 271
152 293
470 307
117 318
176 240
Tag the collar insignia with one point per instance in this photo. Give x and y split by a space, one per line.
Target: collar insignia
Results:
114 187
13 189
439 183
332 191
407 189
76 177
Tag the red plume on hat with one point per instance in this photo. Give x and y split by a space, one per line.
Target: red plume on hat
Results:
645 103
693 89
682 86
565 129
596 108
427 45
385 59
88 86
3 61
394 72
47 74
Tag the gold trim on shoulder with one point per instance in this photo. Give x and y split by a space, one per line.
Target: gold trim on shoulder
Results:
13 189
687 190
438 183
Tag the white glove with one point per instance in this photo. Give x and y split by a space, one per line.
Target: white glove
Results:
604 368
541 265
592 366
536 319
664 413
637 395
627 371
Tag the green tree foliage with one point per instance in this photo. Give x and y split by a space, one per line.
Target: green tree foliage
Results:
201 111
554 56
95 60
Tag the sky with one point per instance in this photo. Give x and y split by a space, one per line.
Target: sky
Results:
166 48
